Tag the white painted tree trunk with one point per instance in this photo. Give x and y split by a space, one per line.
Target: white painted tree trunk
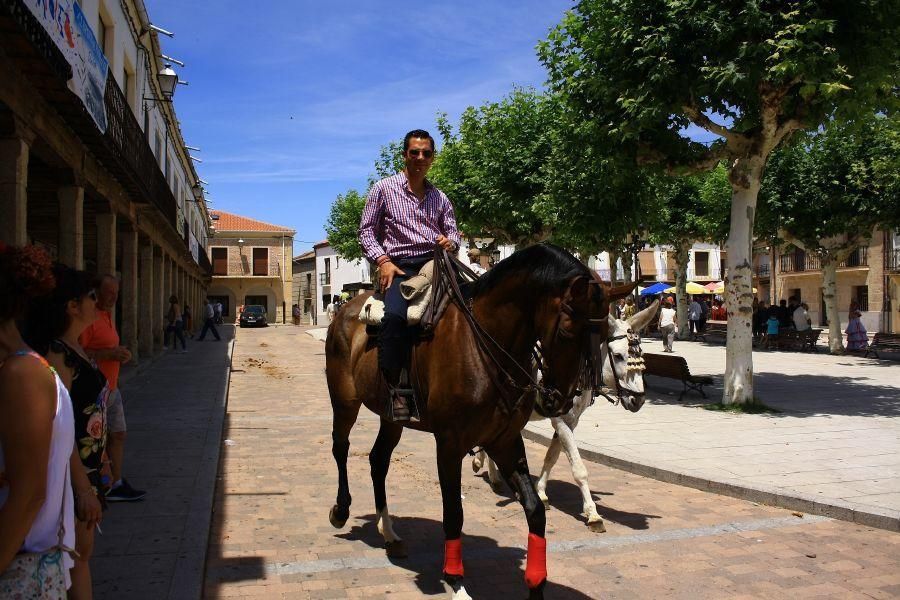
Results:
745 177
613 266
682 257
829 294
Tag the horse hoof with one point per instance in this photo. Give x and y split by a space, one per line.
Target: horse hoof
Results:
597 526
476 465
338 516
395 549
537 593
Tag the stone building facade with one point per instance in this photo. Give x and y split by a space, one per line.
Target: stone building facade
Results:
100 178
304 286
251 264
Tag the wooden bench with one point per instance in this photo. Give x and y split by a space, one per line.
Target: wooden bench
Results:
884 341
675 367
715 329
804 341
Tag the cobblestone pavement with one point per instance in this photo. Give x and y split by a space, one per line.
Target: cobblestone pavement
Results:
270 536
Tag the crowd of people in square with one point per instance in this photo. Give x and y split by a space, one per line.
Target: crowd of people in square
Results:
62 419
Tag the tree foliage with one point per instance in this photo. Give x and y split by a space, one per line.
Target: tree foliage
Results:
841 181
342 226
491 168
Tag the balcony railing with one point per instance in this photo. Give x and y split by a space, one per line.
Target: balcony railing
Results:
798 262
761 270
123 149
894 260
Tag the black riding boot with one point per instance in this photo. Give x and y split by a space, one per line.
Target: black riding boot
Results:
393 359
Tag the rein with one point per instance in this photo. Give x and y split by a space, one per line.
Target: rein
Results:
486 341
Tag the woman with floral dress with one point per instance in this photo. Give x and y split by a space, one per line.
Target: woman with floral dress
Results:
53 325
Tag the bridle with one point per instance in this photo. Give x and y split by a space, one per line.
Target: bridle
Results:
634 362
500 375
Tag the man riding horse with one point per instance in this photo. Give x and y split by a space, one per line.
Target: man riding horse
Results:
405 215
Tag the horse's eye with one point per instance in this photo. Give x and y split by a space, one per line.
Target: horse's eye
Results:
619 356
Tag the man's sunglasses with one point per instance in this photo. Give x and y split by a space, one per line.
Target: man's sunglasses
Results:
423 153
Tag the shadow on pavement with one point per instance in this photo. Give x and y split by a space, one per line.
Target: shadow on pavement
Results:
566 497
491 570
821 395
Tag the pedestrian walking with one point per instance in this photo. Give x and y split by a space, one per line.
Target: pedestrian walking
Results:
100 341
209 322
695 313
175 325
37 435
295 314
857 336
668 322
218 312
187 318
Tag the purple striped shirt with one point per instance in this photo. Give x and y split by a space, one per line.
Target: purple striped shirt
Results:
395 222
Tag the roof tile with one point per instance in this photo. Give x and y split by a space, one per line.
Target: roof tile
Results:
231 222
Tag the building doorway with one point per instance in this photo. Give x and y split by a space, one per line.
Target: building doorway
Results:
226 309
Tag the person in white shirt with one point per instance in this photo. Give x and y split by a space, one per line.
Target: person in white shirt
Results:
695 313
474 262
668 321
802 321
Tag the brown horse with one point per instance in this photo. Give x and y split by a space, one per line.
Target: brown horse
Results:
474 392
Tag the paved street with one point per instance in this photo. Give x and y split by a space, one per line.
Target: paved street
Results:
270 535
835 447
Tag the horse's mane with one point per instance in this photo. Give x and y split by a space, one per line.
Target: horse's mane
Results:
548 267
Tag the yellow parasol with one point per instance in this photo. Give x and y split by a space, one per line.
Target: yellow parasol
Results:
721 290
691 288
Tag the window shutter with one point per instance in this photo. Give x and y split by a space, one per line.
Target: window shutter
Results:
261 261
220 261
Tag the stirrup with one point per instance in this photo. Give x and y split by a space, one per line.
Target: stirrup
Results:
402 399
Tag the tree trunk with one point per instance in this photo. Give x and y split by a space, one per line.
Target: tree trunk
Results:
829 294
613 266
745 176
627 262
682 257
773 270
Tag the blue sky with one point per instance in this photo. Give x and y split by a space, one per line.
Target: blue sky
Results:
291 101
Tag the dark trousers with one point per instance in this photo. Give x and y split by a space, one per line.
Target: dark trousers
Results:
177 329
395 339
209 325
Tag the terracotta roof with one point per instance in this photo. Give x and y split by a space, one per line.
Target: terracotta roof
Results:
306 255
231 222
321 244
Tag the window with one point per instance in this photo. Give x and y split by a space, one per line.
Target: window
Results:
795 293
219 261
261 261
327 278
701 264
861 295
104 37
158 148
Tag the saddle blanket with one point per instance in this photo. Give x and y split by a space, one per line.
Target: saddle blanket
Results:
416 289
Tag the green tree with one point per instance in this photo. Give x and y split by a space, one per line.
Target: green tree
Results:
342 226
832 189
693 209
751 73
491 168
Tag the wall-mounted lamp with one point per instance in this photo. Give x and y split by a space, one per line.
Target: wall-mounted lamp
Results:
167 79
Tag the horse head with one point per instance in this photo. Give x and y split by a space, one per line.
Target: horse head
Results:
623 365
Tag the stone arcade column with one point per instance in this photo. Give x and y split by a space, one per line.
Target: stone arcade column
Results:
159 296
106 243
145 303
71 225
14 191
129 292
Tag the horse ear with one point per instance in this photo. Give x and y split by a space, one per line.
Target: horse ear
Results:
578 287
640 320
620 291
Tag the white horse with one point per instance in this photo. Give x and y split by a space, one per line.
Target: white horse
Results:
623 370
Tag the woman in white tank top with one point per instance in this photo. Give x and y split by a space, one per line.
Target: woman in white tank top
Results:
37 436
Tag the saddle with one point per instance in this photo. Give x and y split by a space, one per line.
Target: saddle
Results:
429 294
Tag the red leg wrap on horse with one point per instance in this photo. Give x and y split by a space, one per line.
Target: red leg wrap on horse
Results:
453 557
536 564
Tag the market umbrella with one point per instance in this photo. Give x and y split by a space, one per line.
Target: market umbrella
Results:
712 287
656 288
721 289
690 288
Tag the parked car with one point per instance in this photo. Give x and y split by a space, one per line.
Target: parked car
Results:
253 315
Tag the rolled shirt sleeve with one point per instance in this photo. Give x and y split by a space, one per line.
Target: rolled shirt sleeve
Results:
372 224
448 222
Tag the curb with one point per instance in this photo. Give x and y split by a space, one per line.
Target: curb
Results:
736 489
190 570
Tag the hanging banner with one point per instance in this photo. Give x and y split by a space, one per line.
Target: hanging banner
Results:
70 31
